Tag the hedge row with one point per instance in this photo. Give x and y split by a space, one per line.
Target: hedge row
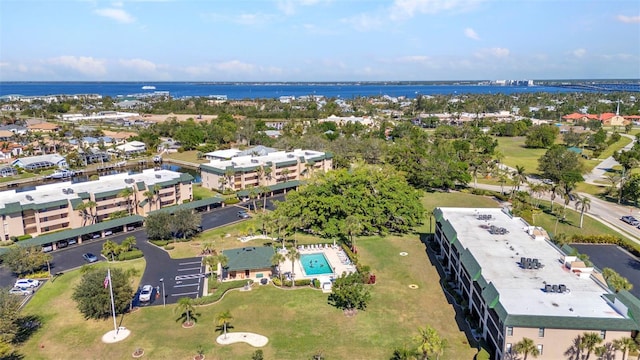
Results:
607 239
130 255
159 242
231 201
220 291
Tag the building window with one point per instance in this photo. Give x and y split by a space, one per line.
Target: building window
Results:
603 334
508 348
539 349
509 330
541 332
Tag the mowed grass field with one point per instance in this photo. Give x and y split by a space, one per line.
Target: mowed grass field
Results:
298 323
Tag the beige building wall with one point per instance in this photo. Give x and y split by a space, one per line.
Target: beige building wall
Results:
555 342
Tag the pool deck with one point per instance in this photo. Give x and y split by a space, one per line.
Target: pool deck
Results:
334 257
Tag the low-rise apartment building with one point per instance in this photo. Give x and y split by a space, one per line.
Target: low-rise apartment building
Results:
514 283
276 167
58 206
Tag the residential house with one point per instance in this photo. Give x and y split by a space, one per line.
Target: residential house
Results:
40 162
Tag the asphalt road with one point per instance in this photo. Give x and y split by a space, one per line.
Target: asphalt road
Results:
181 277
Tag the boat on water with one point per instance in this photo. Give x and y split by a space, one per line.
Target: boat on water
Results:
148 87
61 174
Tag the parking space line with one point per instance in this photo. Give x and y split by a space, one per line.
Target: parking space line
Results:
182 294
185 285
187 269
190 263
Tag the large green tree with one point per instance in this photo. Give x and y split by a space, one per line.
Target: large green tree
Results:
561 165
158 226
349 293
24 260
541 136
92 294
378 196
9 307
185 222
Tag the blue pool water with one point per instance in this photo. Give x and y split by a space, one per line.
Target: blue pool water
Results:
315 264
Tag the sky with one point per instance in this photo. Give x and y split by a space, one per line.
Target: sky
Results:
318 40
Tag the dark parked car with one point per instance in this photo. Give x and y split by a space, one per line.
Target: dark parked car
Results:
89 257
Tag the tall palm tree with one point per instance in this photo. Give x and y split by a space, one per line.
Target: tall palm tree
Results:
352 226
264 191
293 255
127 193
285 174
253 195
525 347
519 176
590 341
156 195
625 344
149 196
584 203
276 260
184 308
223 319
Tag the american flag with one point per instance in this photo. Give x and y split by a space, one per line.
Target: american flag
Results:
106 281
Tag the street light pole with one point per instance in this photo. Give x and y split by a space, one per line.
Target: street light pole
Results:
164 299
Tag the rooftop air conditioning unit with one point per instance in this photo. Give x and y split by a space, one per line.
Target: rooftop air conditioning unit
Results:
70 190
158 176
29 197
64 191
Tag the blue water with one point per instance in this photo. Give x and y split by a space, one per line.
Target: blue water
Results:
262 90
315 264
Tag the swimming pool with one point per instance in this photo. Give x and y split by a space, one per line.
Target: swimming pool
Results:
315 264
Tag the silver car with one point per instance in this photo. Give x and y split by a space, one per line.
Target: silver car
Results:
21 291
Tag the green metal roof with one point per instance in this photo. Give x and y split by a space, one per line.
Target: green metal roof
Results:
75 203
286 163
189 205
50 204
470 263
106 194
274 187
11 208
210 169
569 322
249 258
84 195
143 202
74 233
140 185
185 178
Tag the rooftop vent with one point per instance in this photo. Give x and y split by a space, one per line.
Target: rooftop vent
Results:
64 191
255 161
69 191
158 176
290 156
498 230
129 181
29 197
484 217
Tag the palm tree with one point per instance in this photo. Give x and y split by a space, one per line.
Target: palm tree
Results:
126 193
156 195
223 319
185 308
222 260
525 347
430 343
264 190
229 173
253 195
86 211
584 203
519 176
293 255
554 190
352 226
128 243
625 344
211 262
590 341
285 174
149 196
276 260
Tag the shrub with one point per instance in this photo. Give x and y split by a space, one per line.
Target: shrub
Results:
130 255
23 237
316 283
231 201
169 247
276 281
303 282
482 354
159 242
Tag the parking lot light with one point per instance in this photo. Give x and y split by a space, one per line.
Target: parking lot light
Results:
164 299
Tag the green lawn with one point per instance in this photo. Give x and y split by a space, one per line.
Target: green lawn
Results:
200 192
516 154
190 156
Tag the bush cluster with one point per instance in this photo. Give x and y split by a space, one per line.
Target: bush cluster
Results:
130 255
231 201
169 247
159 242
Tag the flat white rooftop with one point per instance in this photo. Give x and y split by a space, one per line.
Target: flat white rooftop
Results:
521 290
275 157
53 192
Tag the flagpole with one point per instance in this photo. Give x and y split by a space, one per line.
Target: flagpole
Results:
113 306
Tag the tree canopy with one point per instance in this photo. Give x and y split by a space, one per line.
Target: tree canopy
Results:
23 260
92 296
561 165
348 292
377 196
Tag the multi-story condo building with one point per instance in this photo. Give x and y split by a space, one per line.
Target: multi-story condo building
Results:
241 172
53 207
515 284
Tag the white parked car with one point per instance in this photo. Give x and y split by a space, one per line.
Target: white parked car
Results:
26 283
21 291
145 293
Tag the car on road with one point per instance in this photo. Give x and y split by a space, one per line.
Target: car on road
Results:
89 257
630 220
21 291
145 293
26 283
243 214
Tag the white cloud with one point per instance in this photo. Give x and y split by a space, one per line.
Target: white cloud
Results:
289 7
363 22
83 64
471 34
235 66
118 15
140 65
496 52
628 19
579 53
414 59
405 9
